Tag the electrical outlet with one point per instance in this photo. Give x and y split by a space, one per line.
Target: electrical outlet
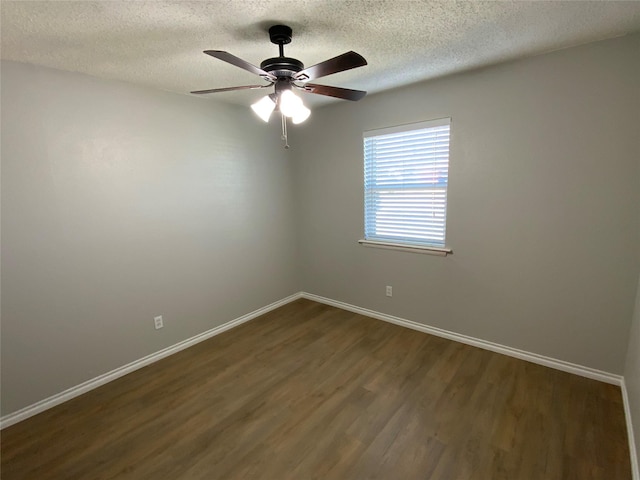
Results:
158 322
389 291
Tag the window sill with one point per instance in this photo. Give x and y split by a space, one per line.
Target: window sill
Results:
442 252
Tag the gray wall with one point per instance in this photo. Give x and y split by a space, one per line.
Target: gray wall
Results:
121 203
632 372
543 204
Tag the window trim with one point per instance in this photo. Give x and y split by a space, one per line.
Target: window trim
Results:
408 246
407 127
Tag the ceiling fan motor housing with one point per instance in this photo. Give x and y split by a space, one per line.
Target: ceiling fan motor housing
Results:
282 66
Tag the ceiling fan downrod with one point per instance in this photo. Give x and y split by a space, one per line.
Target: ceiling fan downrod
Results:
281 66
280 35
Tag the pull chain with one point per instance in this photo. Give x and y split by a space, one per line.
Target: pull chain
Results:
284 132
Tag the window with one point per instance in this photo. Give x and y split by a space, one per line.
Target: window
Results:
406 172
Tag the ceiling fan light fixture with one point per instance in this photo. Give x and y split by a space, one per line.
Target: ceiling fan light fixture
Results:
264 107
301 115
290 103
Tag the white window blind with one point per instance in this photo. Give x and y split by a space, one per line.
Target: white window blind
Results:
406 172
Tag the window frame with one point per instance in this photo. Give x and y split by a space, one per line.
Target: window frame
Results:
408 245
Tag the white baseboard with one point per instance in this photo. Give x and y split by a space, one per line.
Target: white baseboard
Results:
98 381
632 443
476 342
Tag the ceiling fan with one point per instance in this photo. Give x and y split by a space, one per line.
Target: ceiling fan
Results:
287 74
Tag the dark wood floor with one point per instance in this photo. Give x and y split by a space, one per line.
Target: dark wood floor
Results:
309 391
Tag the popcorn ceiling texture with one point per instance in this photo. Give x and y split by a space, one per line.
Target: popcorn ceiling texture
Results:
159 43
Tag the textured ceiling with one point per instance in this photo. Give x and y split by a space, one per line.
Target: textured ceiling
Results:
160 43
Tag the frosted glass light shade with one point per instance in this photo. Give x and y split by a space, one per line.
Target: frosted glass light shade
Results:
289 103
264 107
301 115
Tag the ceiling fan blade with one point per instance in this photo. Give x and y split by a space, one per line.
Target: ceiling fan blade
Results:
238 62
343 62
337 92
230 89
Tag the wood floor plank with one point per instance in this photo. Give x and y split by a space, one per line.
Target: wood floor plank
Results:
309 391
